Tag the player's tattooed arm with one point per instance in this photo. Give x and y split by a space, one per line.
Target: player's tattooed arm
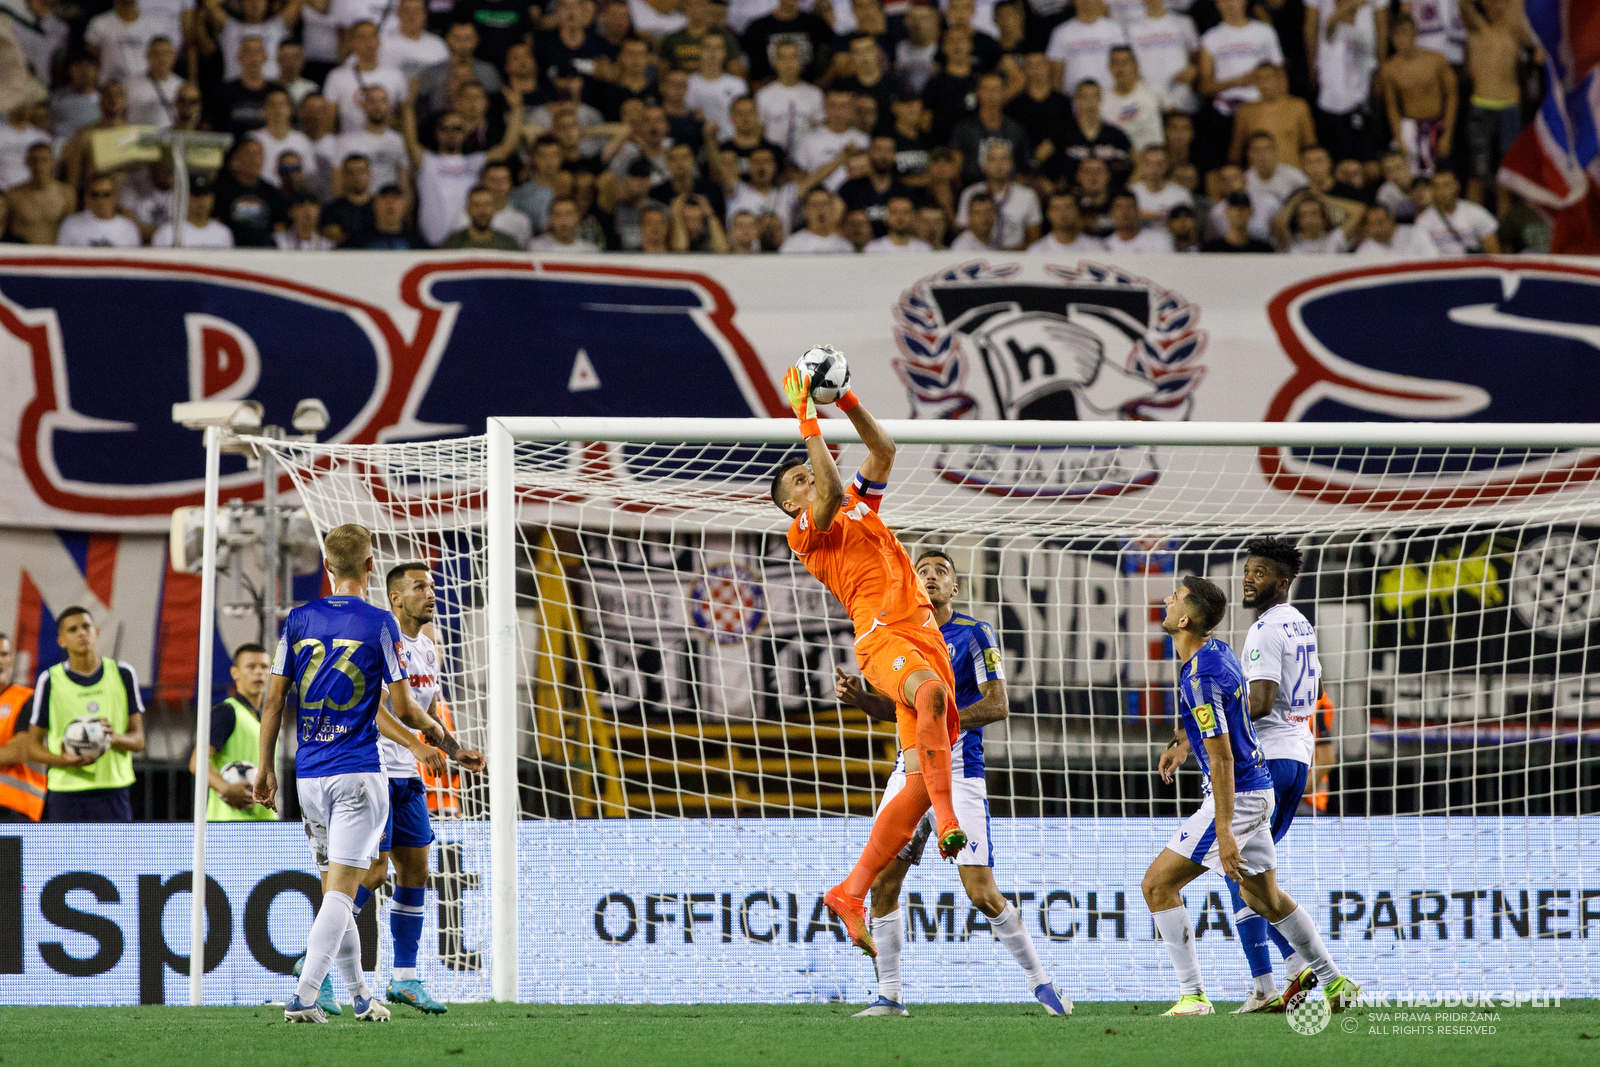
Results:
993 707
856 691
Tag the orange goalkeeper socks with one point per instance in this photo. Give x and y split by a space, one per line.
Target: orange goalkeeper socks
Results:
933 703
891 832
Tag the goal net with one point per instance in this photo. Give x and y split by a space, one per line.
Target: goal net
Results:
624 629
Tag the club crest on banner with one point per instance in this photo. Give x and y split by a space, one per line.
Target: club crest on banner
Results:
727 601
1087 343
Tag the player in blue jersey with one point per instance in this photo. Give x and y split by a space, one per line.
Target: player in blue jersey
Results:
1232 831
981 697
340 653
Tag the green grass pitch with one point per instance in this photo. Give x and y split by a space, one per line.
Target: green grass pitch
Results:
810 1035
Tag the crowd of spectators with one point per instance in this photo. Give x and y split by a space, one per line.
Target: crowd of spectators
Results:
789 126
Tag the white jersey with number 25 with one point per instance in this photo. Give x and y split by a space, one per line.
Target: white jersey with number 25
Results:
1281 647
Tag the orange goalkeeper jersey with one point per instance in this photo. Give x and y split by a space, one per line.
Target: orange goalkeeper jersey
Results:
861 561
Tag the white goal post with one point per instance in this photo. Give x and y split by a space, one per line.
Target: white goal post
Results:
596 536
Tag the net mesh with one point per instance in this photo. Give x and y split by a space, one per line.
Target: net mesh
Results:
684 762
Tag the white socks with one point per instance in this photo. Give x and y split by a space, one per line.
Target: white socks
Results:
1295 964
1010 932
349 961
1178 936
889 934
1266 986
1301 932
327 935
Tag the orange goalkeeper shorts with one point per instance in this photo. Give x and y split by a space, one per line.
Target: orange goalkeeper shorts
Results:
889 654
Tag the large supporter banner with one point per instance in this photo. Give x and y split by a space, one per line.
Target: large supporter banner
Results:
678 911
96 347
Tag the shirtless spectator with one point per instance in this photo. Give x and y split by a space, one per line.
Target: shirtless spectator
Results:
77 158
1497 32
37 206
1419 93
1287 118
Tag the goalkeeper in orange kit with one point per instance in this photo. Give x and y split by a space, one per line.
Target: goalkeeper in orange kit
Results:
838 533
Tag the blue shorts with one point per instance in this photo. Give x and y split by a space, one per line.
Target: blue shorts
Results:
1289 784
408 825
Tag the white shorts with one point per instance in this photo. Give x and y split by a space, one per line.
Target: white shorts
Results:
970 799
344 816
1196 839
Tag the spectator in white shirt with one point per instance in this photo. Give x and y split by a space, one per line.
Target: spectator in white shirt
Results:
1156 192
1129 104
1167 48
278 137
982 221
900 219
1230 52
256 20
1016 205
445 177
790 108
772 205
1130 233
291 72
99 225
17 135
1230 179
119 38
563 237
40 34
408 46
1455 226
1342 52
1384 237
823 149
384 148
915 58
820 234
1267 176
347 82
712 90
200 230
1066 236
153 95
1082 45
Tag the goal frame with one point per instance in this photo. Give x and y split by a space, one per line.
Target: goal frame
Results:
503 433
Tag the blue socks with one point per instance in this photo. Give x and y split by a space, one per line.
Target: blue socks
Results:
405 926
363 894
1256 935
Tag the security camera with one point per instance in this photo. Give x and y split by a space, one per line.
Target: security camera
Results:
228 414
310 416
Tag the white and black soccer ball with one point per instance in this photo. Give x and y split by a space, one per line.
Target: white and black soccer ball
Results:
86 738
830 374
239 771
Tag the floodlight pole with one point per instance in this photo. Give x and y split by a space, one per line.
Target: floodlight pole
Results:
179 142
202 716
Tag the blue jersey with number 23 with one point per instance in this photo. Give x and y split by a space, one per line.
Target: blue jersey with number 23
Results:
338 654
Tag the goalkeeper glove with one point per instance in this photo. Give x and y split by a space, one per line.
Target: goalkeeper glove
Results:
797 387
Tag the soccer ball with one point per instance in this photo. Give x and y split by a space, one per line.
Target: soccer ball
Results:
830 374
240 771
86 738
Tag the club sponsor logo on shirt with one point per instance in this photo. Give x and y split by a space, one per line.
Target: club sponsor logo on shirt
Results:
899 661
1205 717
991 659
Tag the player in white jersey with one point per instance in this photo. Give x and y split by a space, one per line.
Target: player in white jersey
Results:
409 833
1285 677
981 698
